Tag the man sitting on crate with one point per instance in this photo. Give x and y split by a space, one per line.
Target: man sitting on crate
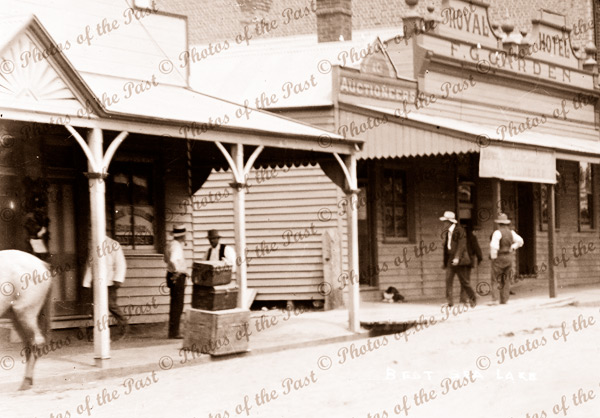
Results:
176 275
220 252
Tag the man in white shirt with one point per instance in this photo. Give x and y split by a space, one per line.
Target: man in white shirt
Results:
176 276
220 252
111 253
504 242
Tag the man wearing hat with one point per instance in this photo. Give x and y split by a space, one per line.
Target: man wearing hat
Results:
504 242
220 252
456 257
176 276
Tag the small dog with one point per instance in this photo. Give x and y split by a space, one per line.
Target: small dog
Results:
392 295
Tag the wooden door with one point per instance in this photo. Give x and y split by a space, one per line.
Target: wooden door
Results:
526 229
367 240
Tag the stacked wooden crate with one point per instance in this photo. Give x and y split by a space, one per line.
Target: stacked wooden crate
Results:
213 290
213 324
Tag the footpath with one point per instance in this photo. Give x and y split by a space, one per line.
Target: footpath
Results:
146 347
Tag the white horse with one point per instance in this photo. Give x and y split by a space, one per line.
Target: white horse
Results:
25 283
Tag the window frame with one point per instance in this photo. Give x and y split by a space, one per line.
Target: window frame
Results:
153 194
407 203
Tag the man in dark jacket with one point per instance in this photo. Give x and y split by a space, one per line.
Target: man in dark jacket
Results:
456 257
474 251
220 252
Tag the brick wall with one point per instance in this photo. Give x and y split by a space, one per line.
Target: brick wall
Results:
596 16
335 20
217 20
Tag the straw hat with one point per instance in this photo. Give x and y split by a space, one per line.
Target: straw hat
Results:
449 216
502 219
178 231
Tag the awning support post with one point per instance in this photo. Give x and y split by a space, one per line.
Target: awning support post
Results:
551 240
354 290
497 197
239 225
99 272
97 165
240 174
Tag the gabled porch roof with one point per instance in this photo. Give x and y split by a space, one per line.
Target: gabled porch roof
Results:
51 90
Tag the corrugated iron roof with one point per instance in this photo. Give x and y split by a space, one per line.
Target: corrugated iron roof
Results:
394 139
179 104
265 66
145 99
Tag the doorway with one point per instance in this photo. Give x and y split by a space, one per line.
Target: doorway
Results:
526 229
367 240
63 248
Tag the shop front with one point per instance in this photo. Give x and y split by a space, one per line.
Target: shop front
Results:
498 126
84 156
462 116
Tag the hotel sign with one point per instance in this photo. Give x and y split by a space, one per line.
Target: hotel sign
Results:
469 37
468 21
486 59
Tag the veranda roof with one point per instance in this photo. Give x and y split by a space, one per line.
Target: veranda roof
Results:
268 65
52 89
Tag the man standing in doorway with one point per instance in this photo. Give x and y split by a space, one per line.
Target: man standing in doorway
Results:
456 257
176 276
504 242
219 252
111 253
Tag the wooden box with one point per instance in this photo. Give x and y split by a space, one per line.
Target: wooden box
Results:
215 298
211 273
216 333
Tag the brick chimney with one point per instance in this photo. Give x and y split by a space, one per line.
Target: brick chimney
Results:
334 19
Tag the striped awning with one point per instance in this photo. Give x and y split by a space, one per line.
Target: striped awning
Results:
420 134
406 139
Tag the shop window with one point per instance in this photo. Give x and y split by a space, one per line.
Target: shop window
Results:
132 201
586 197
395 216
544 206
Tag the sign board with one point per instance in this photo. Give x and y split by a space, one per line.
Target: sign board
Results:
551 41
517 164
468 36
487 59
467 20
375 89
365 88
